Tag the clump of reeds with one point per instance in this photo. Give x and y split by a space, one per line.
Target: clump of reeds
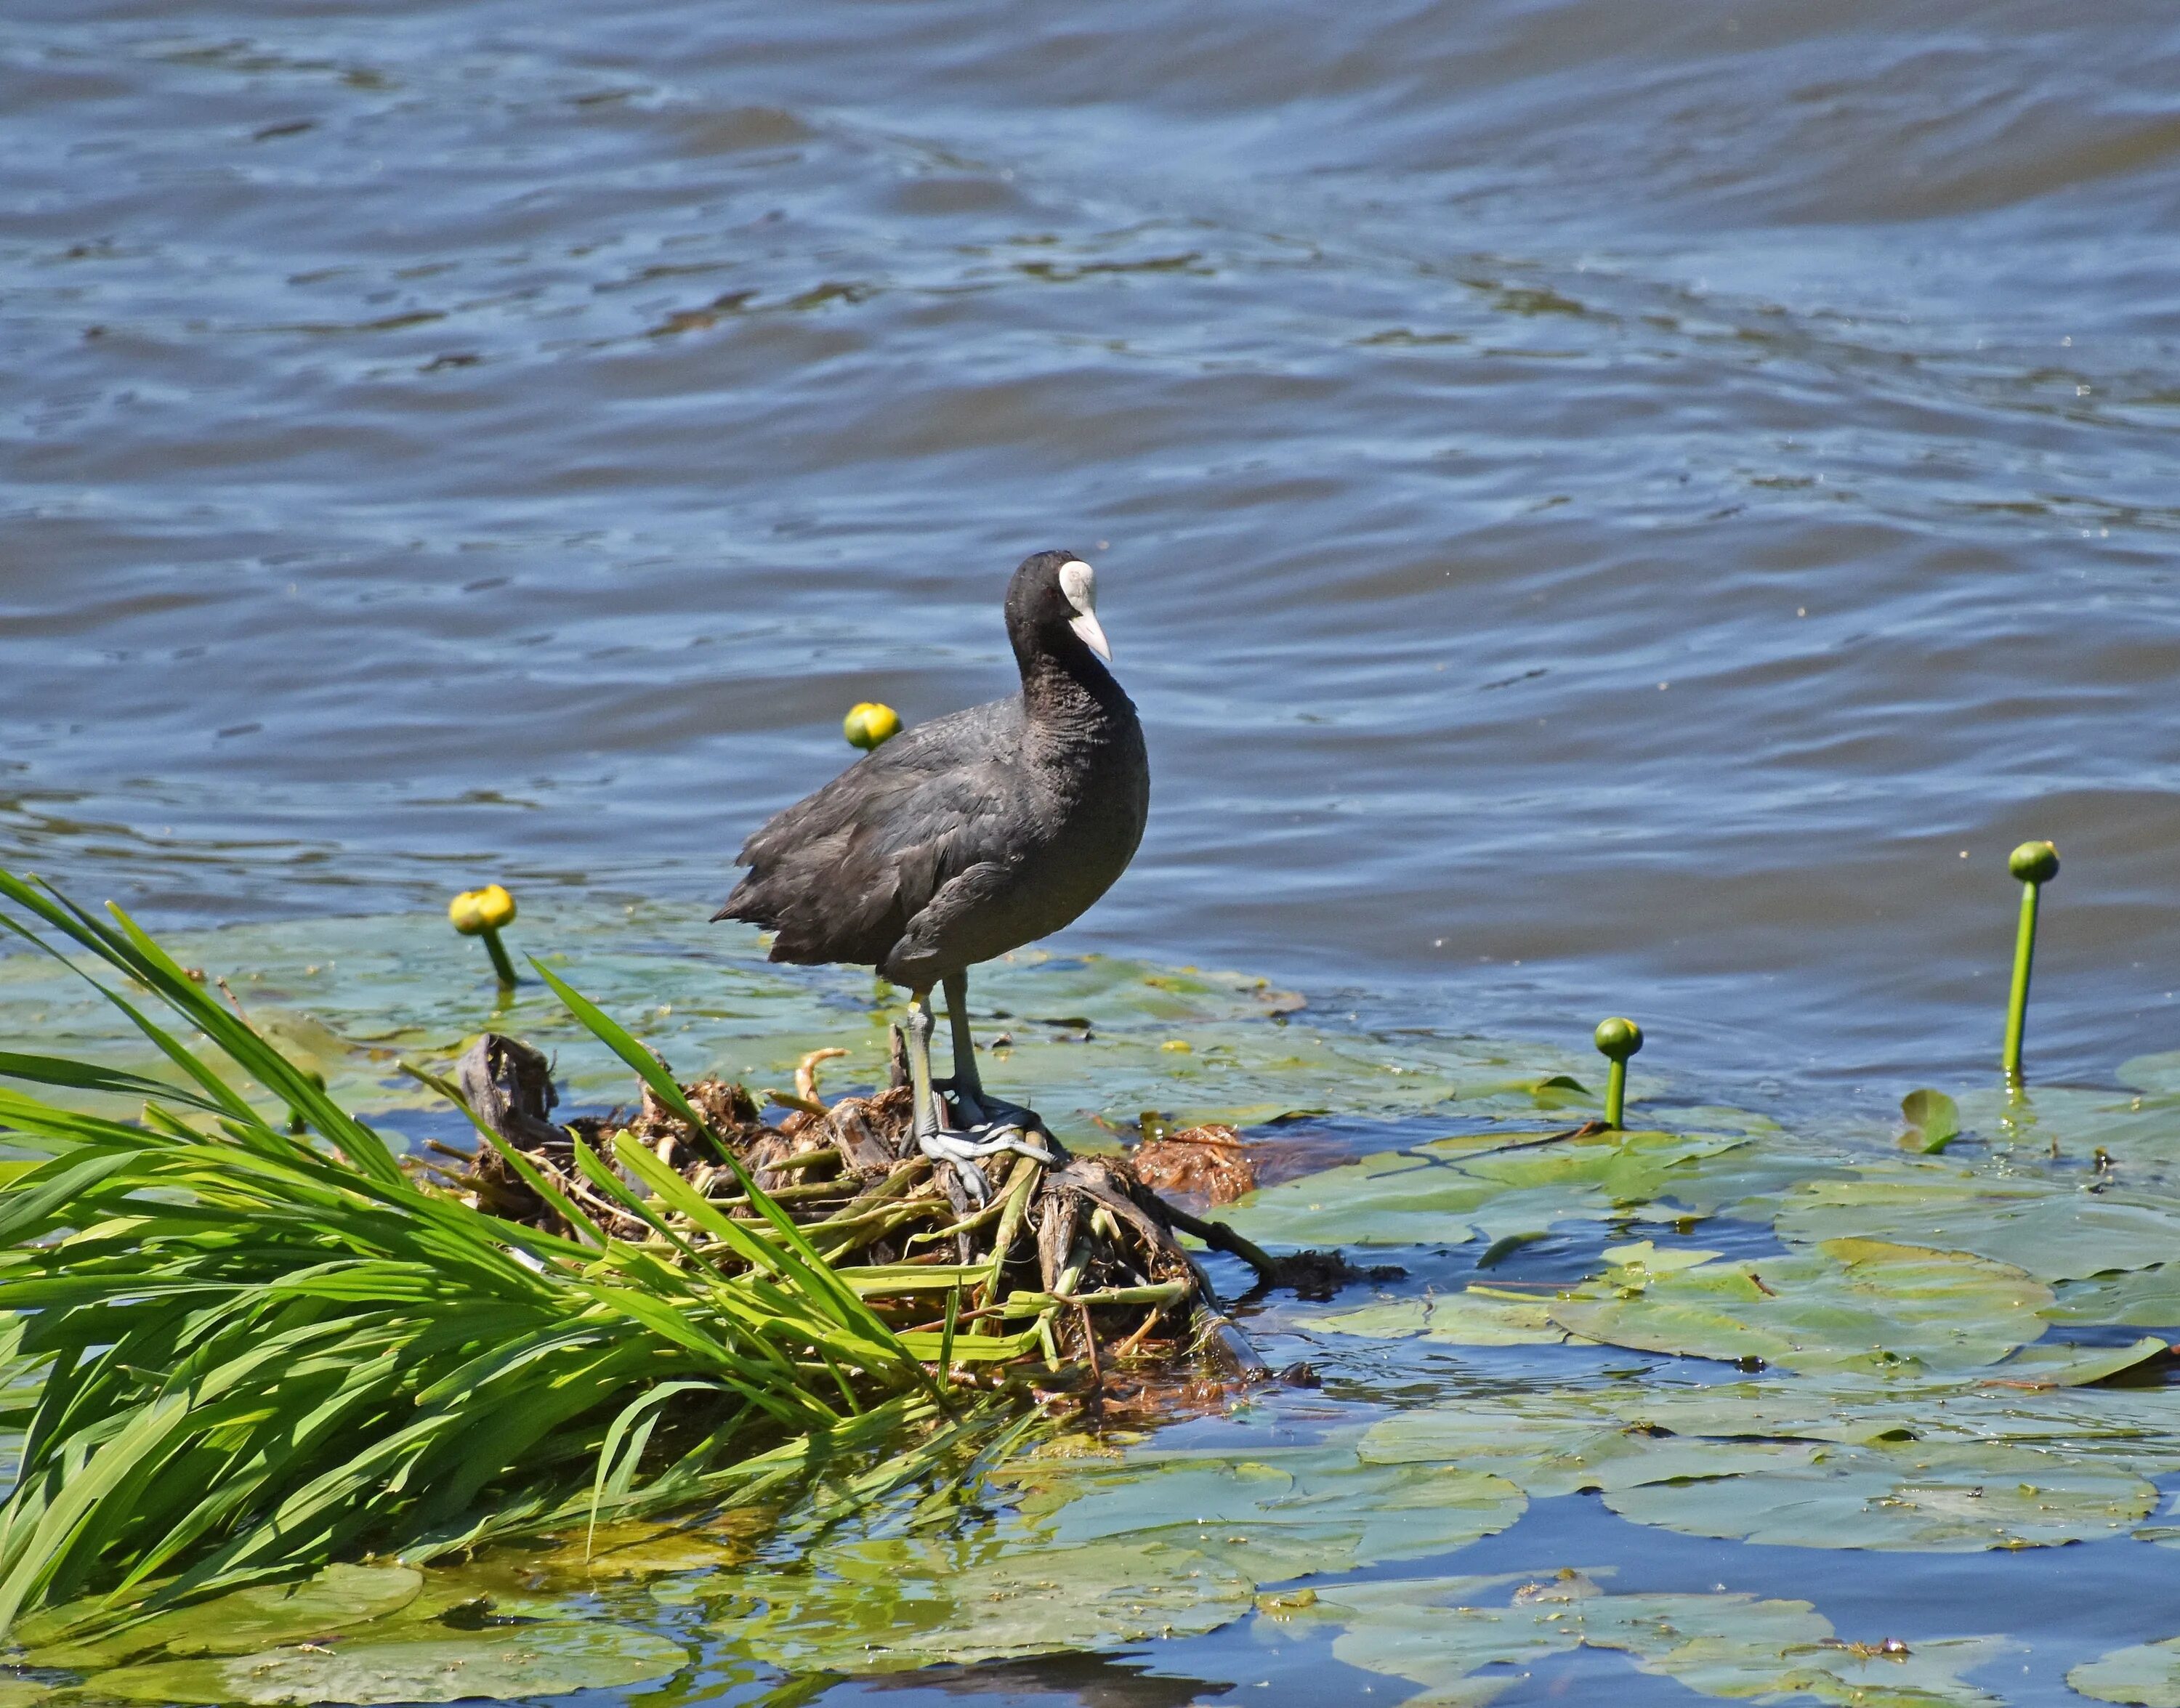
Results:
238 1351
245 1339
1066 1262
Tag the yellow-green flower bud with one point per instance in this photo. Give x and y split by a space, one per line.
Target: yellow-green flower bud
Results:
481 914
2033 863
869 724
1617 1039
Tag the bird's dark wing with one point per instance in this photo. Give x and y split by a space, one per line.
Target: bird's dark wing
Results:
838 874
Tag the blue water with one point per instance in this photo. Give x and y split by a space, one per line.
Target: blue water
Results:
1605 507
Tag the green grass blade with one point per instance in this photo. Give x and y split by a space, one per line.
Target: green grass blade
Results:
84 1076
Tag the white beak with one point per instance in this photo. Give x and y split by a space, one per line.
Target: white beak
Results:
1080 584
1094 637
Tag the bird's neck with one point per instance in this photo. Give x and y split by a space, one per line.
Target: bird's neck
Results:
1065 688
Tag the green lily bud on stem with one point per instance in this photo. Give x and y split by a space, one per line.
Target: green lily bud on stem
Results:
2036 864
869 724
481 914
1616 1040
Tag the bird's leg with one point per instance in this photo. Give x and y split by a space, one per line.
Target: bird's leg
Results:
977 1107
932 1138
924 1119
941 1144
966 1085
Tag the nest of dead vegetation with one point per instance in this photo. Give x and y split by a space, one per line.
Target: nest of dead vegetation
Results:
1078 1261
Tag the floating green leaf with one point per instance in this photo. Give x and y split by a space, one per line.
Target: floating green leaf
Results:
2147 1675
2158 1075
244 1620
1443 1633
548 1659
1103 1549
1270 1516
893 1605
1934 1121
1862 1304
2057 1363
1548 1443
1475 1316
1451 1191
2054 1230
2134 1299
1943 1497
2044 1122
2127 1429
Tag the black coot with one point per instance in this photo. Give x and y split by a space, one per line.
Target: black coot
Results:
964 837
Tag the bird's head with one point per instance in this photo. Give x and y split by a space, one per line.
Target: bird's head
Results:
1055 593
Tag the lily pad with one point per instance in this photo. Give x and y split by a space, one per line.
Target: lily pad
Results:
1451 1191
2158 1075
1099 1548
260 1617
1554 1442
2127 1429
1442 1634
1850 1304
1934 1121
1269 1516
2056 1363
637 1550
895 1604
2136 1298
2054 1231
548 1659
1475 1316
2147 1675
2142 1131
1942 1497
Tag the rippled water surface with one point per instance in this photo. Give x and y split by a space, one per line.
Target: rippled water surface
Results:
1603 507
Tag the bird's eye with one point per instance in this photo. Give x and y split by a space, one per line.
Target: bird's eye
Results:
1080 584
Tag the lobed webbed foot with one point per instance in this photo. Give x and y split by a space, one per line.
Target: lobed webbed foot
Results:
962 1150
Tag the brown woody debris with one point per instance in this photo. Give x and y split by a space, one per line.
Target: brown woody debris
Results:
1083 1254
1207 1164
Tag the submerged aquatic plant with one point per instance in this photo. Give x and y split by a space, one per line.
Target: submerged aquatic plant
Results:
236 1351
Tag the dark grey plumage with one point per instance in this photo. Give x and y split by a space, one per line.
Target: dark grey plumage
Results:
971 835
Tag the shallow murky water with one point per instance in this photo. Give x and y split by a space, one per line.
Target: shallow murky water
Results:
1603 508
